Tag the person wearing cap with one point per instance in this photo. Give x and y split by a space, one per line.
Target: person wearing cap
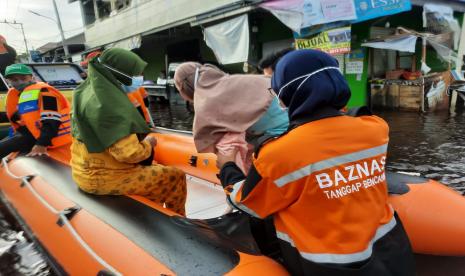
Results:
323 182
38 113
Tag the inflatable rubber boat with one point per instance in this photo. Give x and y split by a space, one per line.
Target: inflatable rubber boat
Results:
84 234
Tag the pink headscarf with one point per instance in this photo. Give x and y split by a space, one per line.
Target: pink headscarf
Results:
223 103
3 49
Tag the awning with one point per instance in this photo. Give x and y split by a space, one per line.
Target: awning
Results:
229 40
403 43
406 43
289 12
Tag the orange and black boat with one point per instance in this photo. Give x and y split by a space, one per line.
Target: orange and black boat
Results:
84 234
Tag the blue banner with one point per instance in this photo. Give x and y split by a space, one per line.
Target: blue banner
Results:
369 9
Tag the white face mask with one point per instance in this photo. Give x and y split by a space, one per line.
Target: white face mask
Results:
306 77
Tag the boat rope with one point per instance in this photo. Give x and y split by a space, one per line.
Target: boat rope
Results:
61 216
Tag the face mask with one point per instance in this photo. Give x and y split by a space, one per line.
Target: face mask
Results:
136 83
278 101
305 77
20 86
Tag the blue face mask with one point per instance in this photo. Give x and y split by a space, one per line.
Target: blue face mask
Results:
136 83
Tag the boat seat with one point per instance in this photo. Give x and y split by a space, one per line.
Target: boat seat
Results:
172 240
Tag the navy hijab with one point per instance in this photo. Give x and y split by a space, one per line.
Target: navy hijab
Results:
307 97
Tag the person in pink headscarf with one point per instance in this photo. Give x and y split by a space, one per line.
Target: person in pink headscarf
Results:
233 113
7 54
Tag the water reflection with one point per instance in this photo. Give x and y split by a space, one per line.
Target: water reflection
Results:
18 256
431 144
176 116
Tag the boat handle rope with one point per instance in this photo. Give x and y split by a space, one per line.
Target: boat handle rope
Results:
62 216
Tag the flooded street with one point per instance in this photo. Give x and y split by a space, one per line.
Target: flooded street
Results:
432 145
18 256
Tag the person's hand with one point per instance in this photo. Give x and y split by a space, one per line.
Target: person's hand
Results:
223 159
152 140
38 151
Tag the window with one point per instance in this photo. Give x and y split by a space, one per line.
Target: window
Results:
88 12
122 4
104 8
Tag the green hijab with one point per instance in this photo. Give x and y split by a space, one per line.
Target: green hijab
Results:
102 113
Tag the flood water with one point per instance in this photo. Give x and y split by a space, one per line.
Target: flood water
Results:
431 144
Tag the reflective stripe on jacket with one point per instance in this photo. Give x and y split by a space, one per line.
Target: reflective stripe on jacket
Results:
29 105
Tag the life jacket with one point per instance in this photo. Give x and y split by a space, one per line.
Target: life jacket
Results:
137 99
324 183
28 105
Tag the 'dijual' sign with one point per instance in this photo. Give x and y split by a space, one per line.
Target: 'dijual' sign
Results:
334 41
314 42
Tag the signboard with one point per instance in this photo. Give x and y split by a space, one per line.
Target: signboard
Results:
369 9
334 10
324 11
354 67
333 42
354 62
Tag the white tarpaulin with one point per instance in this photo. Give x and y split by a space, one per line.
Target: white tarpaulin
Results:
403 44
299 14
444 52
229 40
440 19
289 12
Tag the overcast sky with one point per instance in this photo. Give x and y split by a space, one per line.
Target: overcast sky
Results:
38 30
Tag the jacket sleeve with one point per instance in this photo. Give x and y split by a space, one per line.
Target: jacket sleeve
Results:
50 120
130 150
254 194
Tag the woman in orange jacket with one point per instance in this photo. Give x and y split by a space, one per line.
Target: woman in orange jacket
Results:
323 182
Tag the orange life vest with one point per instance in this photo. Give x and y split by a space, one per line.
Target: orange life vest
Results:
324 183
28 105
137 99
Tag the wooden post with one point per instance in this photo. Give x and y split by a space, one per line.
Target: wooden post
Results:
423 60
97 15
371 74
458 65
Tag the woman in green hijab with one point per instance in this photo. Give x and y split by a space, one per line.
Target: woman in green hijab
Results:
110 137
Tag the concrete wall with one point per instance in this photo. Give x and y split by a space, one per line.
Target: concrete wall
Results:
146 16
